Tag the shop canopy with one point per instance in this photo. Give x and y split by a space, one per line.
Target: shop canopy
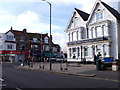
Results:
48 54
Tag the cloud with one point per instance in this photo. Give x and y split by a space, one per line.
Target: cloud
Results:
30 20
60 38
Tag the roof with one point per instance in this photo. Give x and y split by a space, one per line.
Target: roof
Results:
83 14
112 10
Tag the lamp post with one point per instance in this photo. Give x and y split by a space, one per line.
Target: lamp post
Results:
50 35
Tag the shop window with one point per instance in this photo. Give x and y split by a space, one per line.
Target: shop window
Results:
46 48
70 53
85 51
93 49
74 49
78 51
105 49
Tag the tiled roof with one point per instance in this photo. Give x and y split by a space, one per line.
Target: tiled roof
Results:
31 35
84 15
112 10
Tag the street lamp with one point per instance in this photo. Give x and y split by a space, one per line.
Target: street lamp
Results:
50 34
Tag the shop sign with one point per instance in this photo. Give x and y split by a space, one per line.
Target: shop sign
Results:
13 52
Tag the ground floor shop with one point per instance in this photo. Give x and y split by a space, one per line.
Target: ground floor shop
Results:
13 56
87 51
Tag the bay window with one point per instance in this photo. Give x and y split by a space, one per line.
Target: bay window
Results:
99 31
94 33
105 30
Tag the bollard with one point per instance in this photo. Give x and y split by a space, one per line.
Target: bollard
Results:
114 66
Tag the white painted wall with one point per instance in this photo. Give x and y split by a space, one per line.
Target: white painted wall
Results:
2 39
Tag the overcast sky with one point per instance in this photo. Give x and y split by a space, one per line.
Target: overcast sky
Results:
34 15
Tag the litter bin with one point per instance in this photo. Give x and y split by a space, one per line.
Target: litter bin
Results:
114 66
98 64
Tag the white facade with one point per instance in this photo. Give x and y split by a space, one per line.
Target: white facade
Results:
100 33
9 45
2 40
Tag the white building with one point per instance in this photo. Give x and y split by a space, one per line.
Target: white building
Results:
7 46
2 39
97 32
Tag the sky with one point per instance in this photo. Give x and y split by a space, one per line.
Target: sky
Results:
34 15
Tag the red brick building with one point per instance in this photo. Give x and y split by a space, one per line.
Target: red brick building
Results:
26 42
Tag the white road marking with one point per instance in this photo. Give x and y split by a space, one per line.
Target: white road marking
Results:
18 88
3 85
1 79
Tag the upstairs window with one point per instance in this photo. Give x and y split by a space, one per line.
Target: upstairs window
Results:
45 40
10 37
99 15
9 46
35 39
22 38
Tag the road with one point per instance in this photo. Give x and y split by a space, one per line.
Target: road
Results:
22 78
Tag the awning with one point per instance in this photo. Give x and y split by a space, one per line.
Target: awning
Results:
48 54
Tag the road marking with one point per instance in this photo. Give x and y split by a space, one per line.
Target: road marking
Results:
1 79
3 85
18 88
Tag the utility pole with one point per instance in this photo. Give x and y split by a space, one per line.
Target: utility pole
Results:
50 40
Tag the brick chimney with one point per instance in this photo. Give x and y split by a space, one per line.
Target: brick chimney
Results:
24 30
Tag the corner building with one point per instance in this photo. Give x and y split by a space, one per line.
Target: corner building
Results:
91 33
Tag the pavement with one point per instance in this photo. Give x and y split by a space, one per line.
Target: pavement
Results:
84 70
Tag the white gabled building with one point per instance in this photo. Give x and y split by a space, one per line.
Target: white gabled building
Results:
97 32
7 46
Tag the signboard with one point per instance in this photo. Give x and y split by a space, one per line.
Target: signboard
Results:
13 52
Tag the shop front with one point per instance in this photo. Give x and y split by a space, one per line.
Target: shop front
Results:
12 56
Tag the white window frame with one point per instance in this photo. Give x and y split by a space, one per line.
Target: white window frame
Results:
10 37
46 40
99 14
85 51
99 31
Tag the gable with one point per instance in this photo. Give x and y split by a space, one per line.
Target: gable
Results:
77 19
106 10
10 33
97 9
